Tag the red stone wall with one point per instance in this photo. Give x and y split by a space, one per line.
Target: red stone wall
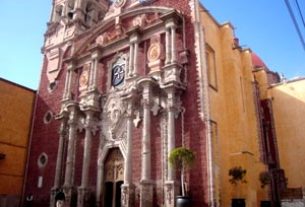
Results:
44 139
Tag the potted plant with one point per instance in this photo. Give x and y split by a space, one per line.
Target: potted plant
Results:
264 178
181 159
237 175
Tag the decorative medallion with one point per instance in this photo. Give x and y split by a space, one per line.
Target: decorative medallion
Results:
154 54
154 50
118 71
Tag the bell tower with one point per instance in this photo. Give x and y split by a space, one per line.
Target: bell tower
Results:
69 19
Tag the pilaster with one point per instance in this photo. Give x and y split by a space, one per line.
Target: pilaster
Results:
60 157
133 51
146 195
83 190
93 72
70 161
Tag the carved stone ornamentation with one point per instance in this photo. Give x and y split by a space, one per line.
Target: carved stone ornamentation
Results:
84 78
139 20
114 121
169 194
110 36
125 196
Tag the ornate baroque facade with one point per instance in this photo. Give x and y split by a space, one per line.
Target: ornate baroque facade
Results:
116 80
124 82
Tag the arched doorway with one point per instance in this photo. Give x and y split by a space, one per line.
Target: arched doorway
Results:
114 176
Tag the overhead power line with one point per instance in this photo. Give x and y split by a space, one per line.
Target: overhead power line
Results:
295 23
300 12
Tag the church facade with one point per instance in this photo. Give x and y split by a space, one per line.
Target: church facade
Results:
123 83
116 81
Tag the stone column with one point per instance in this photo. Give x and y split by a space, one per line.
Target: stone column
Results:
170 182
83 191
58 169
62 134
135 57
130 72
93 71
100 183
167 46
70 161
127 189
69 76
173 43
170 37
133 53
146 185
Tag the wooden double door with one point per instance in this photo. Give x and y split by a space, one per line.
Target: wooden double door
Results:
114 176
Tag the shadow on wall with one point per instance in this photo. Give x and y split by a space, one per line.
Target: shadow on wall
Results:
9 200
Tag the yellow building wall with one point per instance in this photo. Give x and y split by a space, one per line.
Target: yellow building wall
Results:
16 105
288 103
232 107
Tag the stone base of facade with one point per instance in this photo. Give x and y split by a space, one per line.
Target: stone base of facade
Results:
170 195
146 194
70 195
83 197
127 195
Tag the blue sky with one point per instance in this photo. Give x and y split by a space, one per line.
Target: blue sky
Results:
262 25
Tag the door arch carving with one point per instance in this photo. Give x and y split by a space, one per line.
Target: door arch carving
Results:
114 178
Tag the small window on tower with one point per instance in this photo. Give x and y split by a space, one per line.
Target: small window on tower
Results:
47 118
42 160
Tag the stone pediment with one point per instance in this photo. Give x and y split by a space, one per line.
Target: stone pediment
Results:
115 28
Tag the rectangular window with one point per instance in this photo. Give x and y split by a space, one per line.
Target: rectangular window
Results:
211 67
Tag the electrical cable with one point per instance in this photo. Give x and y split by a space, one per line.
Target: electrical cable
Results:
295 23
300 12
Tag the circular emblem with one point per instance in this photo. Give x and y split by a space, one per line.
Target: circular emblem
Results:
118 74
153 53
